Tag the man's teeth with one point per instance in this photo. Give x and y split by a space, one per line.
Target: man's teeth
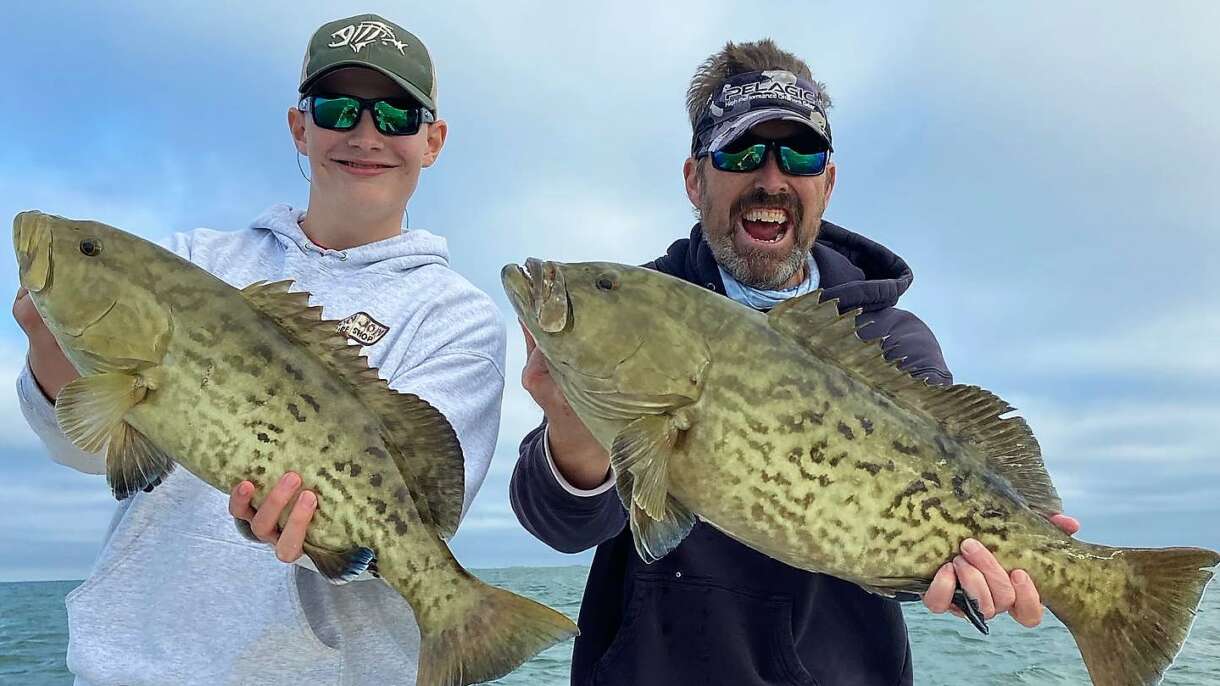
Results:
766 215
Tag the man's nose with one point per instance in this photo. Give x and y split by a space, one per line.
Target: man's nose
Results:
770 178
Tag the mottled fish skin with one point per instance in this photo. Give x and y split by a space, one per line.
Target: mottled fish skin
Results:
802 457
249 384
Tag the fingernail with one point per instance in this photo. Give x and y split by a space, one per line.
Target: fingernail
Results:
246 488
291 480
1020 577
959 560
308 499
971 546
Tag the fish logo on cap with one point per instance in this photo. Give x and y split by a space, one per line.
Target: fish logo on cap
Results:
357 36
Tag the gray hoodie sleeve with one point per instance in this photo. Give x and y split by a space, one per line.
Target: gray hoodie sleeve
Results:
39 411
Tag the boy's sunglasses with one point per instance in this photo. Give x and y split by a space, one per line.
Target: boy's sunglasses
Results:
751 156
392 116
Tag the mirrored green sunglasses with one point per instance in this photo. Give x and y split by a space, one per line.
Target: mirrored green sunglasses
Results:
391 116
747 158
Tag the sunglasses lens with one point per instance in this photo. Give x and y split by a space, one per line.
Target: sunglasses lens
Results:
339 114
744 160
396 121
802 164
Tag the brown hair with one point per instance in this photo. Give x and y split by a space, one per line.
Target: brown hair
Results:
740 58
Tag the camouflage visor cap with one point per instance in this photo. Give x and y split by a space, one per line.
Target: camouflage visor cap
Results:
747 100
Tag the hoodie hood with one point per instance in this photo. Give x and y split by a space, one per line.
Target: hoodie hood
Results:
859 272
408 250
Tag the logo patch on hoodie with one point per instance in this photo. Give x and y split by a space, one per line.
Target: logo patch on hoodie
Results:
362 328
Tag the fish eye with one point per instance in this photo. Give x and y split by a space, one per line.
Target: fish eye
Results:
607 282
91 247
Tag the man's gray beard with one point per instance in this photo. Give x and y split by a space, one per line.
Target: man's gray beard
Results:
755 268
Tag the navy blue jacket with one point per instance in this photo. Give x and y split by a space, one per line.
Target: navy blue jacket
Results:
714 611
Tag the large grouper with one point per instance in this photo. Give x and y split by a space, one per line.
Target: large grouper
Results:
787 432
179 367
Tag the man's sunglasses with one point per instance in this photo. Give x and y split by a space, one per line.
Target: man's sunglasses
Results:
392 116
747 157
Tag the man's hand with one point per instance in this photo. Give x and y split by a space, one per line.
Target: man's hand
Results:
51 369
985 581
264 521
577 454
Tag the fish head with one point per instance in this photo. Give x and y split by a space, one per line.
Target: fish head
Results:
612 329
92 285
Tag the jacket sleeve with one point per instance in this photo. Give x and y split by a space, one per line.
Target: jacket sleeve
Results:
907 338
39 410
560 515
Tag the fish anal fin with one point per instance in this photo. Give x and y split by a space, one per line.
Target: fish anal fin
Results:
340 566
969 414
418 437
133 462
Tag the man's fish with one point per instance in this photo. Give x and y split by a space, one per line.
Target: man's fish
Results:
790 434
179 367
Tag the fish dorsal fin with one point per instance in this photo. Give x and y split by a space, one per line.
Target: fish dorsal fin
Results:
968 413
422 442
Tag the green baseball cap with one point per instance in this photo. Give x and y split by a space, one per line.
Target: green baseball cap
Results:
367 40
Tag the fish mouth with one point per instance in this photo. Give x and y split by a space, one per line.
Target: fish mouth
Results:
32 245
539 294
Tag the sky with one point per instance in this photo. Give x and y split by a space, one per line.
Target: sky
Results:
1049 170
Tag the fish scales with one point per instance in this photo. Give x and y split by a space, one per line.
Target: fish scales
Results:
788 433
179 367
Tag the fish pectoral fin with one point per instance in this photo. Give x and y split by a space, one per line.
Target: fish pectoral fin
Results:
133 463
90 407
654 538
642 450
341 566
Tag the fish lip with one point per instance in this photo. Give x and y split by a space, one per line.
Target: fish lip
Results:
31 240
516 282
539 295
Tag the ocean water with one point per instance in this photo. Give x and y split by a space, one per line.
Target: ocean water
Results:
34 634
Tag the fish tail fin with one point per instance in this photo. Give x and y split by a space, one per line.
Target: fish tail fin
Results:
483 633
1132 636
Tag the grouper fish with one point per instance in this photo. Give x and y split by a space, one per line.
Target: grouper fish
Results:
790 434
177 367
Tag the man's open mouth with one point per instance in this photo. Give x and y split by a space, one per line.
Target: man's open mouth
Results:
766 224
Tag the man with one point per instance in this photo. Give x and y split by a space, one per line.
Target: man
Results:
714 611
177 596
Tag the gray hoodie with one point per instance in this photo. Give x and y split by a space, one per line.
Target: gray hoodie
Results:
177 595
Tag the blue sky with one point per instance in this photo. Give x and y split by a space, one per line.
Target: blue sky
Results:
1049 172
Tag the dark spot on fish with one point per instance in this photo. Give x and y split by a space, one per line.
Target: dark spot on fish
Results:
375 480
376 452
254 400
846 431
807 501
850 500
339 466
794 456
932 477
837 458
958 491
757 427
262 351
295 412
994 514
324 449
866 424
354 468
816 451
378 505
264 437
905 449
835 391
293 372
757 511
309 399
330 439
401 494
869 467
400 527
272 391
260 470
824 481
